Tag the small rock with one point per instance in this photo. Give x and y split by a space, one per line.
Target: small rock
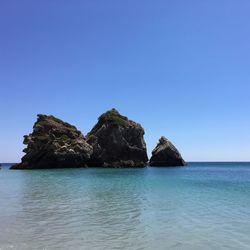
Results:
165 154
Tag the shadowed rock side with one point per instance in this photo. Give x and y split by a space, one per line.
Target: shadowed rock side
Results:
165 154
117 142
53 144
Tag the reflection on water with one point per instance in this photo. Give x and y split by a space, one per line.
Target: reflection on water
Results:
198 207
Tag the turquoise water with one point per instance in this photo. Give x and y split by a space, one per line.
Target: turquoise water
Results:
201 206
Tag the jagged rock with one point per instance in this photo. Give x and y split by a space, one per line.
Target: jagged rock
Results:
166 154
117 142
54 144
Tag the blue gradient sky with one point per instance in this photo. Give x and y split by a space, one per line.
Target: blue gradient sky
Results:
180 68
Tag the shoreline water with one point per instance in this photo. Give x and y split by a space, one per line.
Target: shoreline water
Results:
201 206
188 163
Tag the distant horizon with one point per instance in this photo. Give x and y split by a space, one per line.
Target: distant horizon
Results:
179 68
160 167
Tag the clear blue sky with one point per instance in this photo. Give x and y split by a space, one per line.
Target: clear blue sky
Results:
180 68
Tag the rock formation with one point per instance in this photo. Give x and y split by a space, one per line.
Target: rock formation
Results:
53 144
117 142
165 154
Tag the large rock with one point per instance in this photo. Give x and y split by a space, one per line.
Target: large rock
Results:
54 144
165 154
117 142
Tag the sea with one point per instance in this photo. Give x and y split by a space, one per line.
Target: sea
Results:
201 206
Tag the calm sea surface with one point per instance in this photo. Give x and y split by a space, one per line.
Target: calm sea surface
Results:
201 206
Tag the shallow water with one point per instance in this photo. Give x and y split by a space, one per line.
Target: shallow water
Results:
201 206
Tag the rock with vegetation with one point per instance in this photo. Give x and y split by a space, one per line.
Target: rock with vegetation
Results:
165 154
117 142
54 144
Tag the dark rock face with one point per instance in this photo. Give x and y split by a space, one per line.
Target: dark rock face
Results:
165 154
117 142
53 144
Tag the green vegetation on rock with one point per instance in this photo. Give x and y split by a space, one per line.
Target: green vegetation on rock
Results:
64 138
113 117
42 137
